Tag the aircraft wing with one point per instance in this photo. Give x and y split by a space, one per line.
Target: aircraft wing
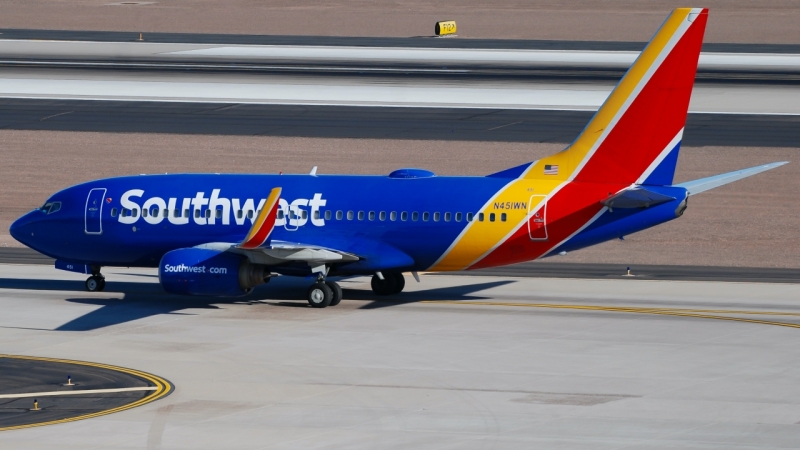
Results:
260 249
280 252
705 184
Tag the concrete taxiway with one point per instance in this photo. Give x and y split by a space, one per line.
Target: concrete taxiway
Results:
367 91
455 362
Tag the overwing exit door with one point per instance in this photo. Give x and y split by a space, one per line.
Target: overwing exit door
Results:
94 211
537 221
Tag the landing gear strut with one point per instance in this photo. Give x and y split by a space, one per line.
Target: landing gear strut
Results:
324 293
392 283
95 283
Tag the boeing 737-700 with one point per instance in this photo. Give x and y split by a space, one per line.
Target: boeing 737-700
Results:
222 235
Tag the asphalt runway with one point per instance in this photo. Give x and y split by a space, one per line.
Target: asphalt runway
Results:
453 124
460 124
544 269
455 362
360 41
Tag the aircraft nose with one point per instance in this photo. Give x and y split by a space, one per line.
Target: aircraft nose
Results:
21 229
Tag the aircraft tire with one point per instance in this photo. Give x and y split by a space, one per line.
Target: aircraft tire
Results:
337 292
95 283
392 283
319 295
399 283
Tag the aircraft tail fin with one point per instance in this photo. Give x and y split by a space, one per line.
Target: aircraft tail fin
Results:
635 135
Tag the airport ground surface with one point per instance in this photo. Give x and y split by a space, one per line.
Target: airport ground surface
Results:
508 358
733 21
455 362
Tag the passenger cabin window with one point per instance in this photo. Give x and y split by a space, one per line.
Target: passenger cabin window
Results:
305 215
328 214
404 216
208 214
480 217
415 216
372 215
491 217
382 215
393 216
458 217
250 214
339 215
240 214
425 216
135 212
436 217
196 213
113 212
503 217
361 215
350 215
186 213
144 213
447 217
469 217
219 213
280 214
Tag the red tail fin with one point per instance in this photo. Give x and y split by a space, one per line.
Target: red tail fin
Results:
642 120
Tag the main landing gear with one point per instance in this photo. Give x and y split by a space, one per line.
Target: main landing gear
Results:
392 283
96 283
324 293
328 293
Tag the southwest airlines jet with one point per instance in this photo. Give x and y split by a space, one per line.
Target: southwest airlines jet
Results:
222 235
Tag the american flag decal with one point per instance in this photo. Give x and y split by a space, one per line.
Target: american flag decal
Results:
550 169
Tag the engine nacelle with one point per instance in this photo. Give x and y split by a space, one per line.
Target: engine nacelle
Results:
197 271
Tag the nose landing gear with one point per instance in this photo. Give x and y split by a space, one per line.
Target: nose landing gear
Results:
95 283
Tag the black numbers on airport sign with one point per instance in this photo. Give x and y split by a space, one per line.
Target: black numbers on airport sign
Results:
445 27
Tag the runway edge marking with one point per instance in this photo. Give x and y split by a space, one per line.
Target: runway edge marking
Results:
163 389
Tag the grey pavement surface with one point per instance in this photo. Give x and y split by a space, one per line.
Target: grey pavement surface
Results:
21 376
537 269
456 362
360 60
384 91
453 124
348 41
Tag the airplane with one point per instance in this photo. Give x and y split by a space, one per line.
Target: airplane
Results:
222 235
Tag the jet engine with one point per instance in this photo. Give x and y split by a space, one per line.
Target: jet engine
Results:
197 271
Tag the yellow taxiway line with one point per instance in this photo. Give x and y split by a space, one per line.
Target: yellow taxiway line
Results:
699 313
162 389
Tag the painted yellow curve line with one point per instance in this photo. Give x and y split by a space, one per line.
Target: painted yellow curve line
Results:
698 313
163 388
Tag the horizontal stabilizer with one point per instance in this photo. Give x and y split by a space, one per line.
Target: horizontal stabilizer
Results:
704 184
636 197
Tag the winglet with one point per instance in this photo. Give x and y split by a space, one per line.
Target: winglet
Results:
705 184
264 223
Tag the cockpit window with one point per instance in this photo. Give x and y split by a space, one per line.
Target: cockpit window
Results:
51 207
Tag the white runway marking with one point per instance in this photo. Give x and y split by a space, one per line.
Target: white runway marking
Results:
79 392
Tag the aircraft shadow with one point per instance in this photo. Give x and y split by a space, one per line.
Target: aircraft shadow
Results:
142 300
